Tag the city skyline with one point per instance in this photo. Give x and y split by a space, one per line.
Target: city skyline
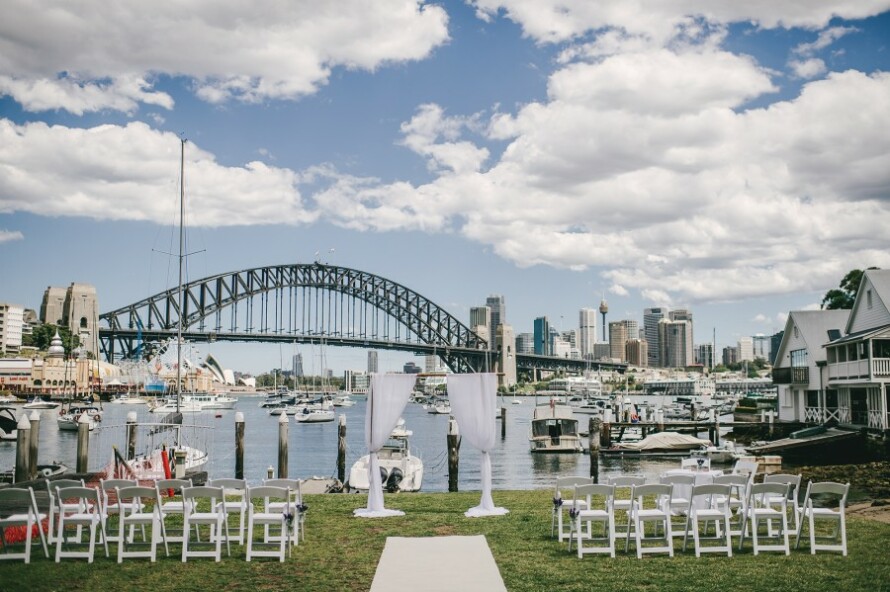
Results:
730 161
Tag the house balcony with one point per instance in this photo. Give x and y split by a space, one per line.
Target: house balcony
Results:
791 376
856 370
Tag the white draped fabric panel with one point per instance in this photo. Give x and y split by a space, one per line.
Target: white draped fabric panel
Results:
387 399
473 399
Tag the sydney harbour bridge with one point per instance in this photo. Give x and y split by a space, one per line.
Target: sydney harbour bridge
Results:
313 304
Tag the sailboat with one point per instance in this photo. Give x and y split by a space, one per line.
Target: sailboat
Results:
158 462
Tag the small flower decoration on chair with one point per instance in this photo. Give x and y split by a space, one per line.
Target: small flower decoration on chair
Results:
557 502
573 512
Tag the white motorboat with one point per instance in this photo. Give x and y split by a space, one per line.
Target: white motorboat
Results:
554 429
40 403
314 415
71 418
128 399
400 431
8 423
170 406
399 469
440 408
343 401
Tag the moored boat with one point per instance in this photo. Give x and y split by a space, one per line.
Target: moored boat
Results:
40 403
554 429
8 423
314 415
399 469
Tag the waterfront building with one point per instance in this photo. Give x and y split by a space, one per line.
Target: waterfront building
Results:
372 362
52 308
651 318
480 316
542 336
561 348
11 327
586 331
858 359
746 349
525 343
636 352
15 374
688 386
798 372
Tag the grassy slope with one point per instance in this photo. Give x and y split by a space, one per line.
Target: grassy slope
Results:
341 553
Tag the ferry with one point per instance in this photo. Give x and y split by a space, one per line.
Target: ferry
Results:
554 429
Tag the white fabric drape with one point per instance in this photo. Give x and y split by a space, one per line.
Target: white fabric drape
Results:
473 400
387 398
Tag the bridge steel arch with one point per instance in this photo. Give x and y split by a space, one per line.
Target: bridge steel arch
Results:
306 303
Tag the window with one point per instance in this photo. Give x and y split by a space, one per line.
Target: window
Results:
796 332
832 355
799 358
868 298
842 353
852 351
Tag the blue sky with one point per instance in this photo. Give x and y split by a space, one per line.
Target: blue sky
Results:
728 158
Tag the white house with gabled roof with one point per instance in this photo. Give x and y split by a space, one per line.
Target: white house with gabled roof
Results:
858 361
799 370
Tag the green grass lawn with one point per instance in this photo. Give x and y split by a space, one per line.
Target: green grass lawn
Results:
341 553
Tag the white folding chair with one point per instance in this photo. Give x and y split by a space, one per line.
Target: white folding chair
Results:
592 505
746 467
132 511
624 485
295 507
704 508
736 501
108 501
234 502
268 506
172 505
682 492
85 509
767 502
203 508
561 504
793 481
56 505
25 515
817 507
650 504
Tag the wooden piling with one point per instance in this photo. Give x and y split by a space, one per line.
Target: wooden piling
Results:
595 425
503 422
607 428
453 454
341 449
282 446
131 435
23 449
716 429
239 445
659 420
179 455
33 444
83 443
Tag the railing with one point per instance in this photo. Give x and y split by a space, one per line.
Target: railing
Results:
848 370
877 420
791 375
819 415
880 367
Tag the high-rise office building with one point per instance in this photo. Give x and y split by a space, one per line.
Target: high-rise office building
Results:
682 314
762 345
617 340
525 343
542 336
651 318
480 316
704 355
586 331
297 365
730 355
372 362
775 341
676 351
635 351
498 311
746 349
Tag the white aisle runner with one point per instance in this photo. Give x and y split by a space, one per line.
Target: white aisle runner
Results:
433 564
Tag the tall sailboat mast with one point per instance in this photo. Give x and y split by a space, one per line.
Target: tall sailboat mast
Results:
179 287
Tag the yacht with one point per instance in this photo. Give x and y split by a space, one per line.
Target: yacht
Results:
70 419
314 415
40 403
554 429
195 402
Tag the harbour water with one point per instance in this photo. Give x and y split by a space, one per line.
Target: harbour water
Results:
312 447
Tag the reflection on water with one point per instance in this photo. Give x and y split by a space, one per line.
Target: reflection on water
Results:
313 447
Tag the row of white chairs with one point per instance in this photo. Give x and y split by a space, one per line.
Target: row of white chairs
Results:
78 517
732 504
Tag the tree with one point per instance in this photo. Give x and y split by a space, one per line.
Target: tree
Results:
844 296
42 335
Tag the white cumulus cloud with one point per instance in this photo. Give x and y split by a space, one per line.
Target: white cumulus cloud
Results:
10 235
